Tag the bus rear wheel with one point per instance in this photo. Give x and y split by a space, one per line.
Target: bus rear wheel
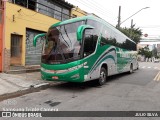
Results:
103 76
131 69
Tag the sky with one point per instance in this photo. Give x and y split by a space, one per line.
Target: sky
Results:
148 20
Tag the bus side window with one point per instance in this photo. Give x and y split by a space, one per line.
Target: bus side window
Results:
90 41
105 37
129 45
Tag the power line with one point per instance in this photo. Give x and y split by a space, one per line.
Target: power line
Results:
30 15
33 21
96 6
34 18
43 26
150 27
30 21
38 19
27 15
102 13
93 7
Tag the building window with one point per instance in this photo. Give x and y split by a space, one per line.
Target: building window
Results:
47 7
53 10
31 5
21 2
65 14
58 12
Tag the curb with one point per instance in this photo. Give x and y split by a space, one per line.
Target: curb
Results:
32 88
21 71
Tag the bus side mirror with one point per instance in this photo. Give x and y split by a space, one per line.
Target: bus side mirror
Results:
81 29
36 38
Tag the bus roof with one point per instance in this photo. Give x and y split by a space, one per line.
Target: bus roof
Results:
92 18
74 20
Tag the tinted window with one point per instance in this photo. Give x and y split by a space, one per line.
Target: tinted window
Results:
108 37
129 45
90 41
91 37
97 26
117 39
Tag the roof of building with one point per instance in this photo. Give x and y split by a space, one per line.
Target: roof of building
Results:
63 3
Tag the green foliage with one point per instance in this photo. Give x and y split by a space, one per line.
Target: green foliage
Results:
154 52
145 52
133 33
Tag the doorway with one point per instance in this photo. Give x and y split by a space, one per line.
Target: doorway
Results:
16 49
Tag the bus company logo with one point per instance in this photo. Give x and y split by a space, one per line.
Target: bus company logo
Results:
6 114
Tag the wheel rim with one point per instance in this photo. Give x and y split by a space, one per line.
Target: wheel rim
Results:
102 77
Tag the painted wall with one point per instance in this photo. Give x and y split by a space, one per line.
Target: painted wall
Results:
1 47
1 37
18 19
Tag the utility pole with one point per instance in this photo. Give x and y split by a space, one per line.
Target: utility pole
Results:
131 23
131 28
119 17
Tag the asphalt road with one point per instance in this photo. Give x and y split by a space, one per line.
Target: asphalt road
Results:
139 91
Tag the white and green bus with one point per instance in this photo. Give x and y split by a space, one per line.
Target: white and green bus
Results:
84 49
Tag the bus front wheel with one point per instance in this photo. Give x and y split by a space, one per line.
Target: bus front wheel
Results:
103 76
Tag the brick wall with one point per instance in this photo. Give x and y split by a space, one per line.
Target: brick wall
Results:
7 55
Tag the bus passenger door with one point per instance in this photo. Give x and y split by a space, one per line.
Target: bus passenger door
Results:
90 43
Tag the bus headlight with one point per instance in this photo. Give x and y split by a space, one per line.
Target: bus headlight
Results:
65 70
54 71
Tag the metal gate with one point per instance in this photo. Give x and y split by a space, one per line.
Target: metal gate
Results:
16 49
33 54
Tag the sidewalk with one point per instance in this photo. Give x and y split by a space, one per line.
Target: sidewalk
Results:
12 85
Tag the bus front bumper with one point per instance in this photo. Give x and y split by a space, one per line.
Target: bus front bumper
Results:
72 76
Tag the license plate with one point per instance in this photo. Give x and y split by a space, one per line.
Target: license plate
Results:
55 77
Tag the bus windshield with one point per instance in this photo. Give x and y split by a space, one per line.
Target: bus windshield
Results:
61 44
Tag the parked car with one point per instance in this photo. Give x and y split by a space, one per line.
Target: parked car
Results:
156 61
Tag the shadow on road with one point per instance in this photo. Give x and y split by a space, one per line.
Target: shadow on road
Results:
70 86
119 76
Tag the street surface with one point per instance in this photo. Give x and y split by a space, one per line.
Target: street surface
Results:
139 91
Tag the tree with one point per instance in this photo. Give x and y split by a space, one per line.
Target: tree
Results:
145 52
154 51
133 33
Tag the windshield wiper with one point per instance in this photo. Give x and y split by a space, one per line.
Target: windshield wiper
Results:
67 34
64 39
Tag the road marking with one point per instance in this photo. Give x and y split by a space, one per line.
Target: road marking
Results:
149 67
157 77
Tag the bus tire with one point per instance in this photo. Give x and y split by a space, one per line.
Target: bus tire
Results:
103 76
137 66
131 69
